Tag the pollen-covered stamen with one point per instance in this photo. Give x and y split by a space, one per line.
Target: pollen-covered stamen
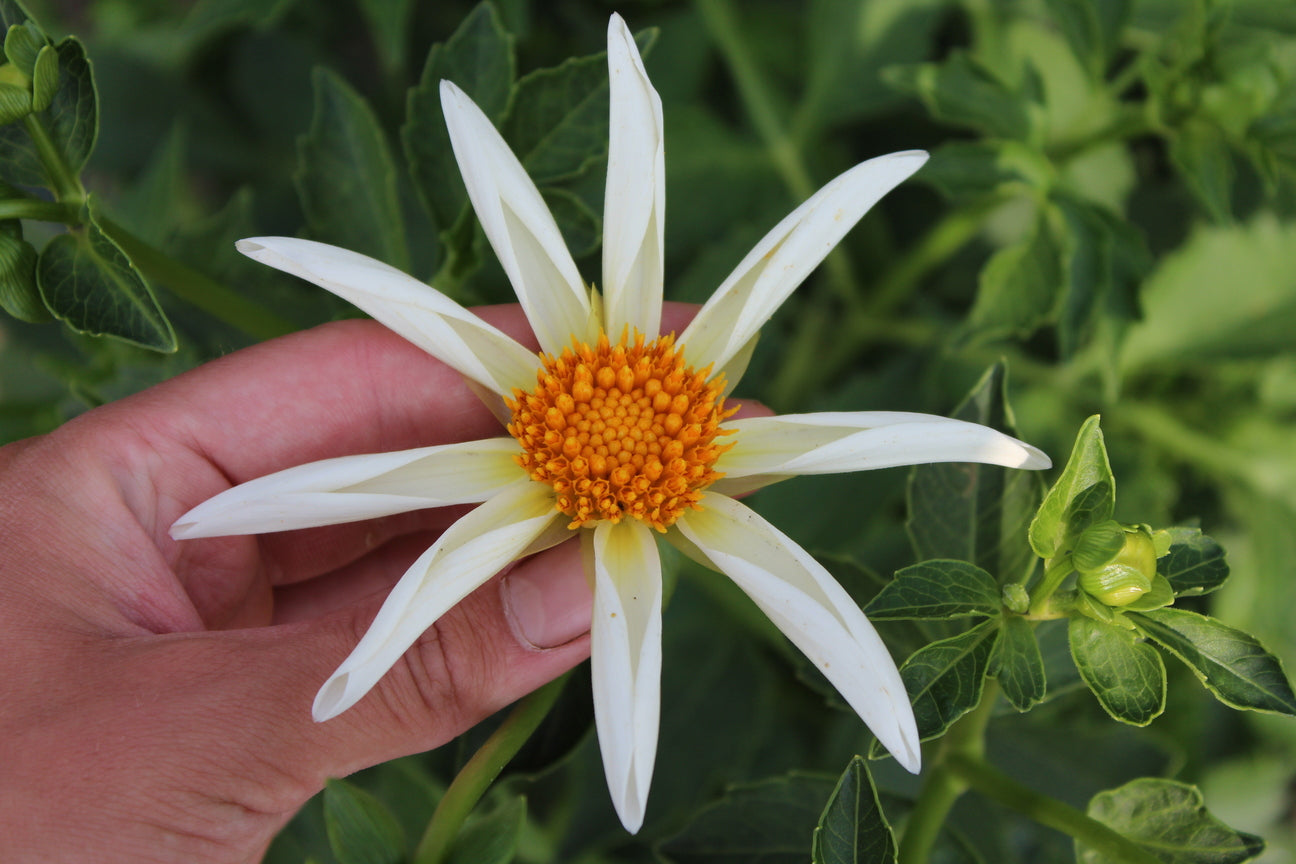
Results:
621 430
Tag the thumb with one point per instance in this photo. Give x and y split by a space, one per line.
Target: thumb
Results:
512 635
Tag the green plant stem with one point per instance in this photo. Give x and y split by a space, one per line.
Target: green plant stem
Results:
65 182
41 211
485 765
974 772
943 786
754 90
1058 569
194 287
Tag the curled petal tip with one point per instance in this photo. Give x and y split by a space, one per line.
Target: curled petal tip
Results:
1036 458
332 699
182 530
249 246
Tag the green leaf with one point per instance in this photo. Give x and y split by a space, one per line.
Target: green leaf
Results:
1083 495
1195 563
965 170
1018 664
15 103
1202 157
559 122
45 78
1188 316
581 227
19 294
962 92
853 827
491 839
22 44
937 589
1078 22
972 512
389 24
88 282
1170 820
345 176
71 123
945 679
1018 291
1233 665
361 830
766 822
1160 594
478 57
1125 673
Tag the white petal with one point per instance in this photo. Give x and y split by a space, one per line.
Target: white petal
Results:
351 488
771 448
634 203
787 254
471 551
625 660
420 313
813 611
518 225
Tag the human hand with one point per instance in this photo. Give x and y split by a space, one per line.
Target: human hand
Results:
158 693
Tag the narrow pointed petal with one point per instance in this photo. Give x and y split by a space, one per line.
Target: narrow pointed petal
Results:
471 551
625 660
767 449
634 204
787 254
813 611
350 488
416 311
518 225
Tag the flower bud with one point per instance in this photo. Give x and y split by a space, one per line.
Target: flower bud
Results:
1116 584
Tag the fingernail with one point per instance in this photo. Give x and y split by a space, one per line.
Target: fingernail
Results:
547 598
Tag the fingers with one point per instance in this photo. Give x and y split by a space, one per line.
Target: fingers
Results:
507 638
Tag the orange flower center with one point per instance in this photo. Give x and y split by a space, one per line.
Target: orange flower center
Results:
621 430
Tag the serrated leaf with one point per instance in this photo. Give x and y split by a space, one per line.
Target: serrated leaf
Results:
559 121
71 123
937 589
361 830
1084 494
1125 673
45 78
972 512
945 679
493 838
1170 820
478 57
1233 665
1195 563
962 92
853 827
1018 664
1018 290
345 176
767 822
88 282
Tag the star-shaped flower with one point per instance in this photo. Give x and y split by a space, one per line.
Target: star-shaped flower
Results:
616 433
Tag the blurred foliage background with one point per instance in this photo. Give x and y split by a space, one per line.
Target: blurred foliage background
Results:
1109 208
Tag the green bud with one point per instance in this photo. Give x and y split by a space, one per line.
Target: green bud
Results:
1015 598
45 76
1098 545
1116 584
21 45
1139 551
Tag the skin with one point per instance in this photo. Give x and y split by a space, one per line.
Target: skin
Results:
157 693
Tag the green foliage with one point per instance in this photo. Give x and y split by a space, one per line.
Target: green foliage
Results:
1113 220
361 830
1170 820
